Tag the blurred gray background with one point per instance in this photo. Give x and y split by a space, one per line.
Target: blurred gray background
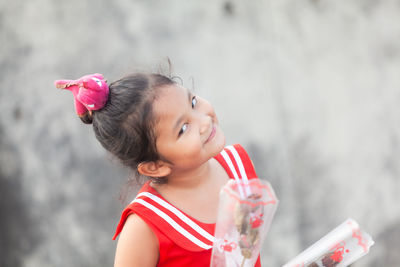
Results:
310 87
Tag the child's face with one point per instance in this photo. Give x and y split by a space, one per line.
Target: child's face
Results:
187 129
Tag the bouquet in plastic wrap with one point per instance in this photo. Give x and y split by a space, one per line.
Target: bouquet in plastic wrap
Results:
339 248
245 213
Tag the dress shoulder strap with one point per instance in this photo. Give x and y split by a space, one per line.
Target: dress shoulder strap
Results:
237 163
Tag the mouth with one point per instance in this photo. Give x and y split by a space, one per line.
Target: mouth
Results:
212 134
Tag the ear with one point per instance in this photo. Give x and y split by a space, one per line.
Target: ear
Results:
154 169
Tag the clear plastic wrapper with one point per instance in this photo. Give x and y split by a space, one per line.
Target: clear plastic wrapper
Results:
339 248
245 212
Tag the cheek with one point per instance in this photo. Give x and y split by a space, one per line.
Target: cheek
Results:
191 148
163 148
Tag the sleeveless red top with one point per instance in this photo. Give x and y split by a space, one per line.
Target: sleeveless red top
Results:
183 240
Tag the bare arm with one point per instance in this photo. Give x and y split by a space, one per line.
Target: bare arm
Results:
137 245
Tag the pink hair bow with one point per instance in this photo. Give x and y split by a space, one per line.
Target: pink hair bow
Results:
90 92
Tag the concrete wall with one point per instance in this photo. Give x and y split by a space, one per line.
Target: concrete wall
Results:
310 88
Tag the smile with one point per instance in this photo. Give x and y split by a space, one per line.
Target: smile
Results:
212 134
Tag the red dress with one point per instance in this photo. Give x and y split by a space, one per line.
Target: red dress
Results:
183 240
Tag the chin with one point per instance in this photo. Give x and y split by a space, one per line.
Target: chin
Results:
219 142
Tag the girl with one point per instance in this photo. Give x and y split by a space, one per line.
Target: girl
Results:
172 136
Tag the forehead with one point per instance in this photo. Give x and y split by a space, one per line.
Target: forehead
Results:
169 97
169 104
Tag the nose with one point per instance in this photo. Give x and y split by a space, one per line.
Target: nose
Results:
205 123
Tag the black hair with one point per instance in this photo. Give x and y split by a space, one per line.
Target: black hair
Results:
125 126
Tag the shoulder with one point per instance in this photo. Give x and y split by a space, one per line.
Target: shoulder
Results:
137 244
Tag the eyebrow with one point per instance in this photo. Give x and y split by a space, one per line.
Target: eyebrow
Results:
179 121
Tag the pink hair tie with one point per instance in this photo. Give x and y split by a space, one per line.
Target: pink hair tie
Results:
90 92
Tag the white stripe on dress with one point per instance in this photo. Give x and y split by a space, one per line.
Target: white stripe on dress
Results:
235 175
175 225
179 214
239 162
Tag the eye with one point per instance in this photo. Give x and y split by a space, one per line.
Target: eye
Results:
97 81
194 101
183 129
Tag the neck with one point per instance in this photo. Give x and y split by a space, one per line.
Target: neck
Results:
188 179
